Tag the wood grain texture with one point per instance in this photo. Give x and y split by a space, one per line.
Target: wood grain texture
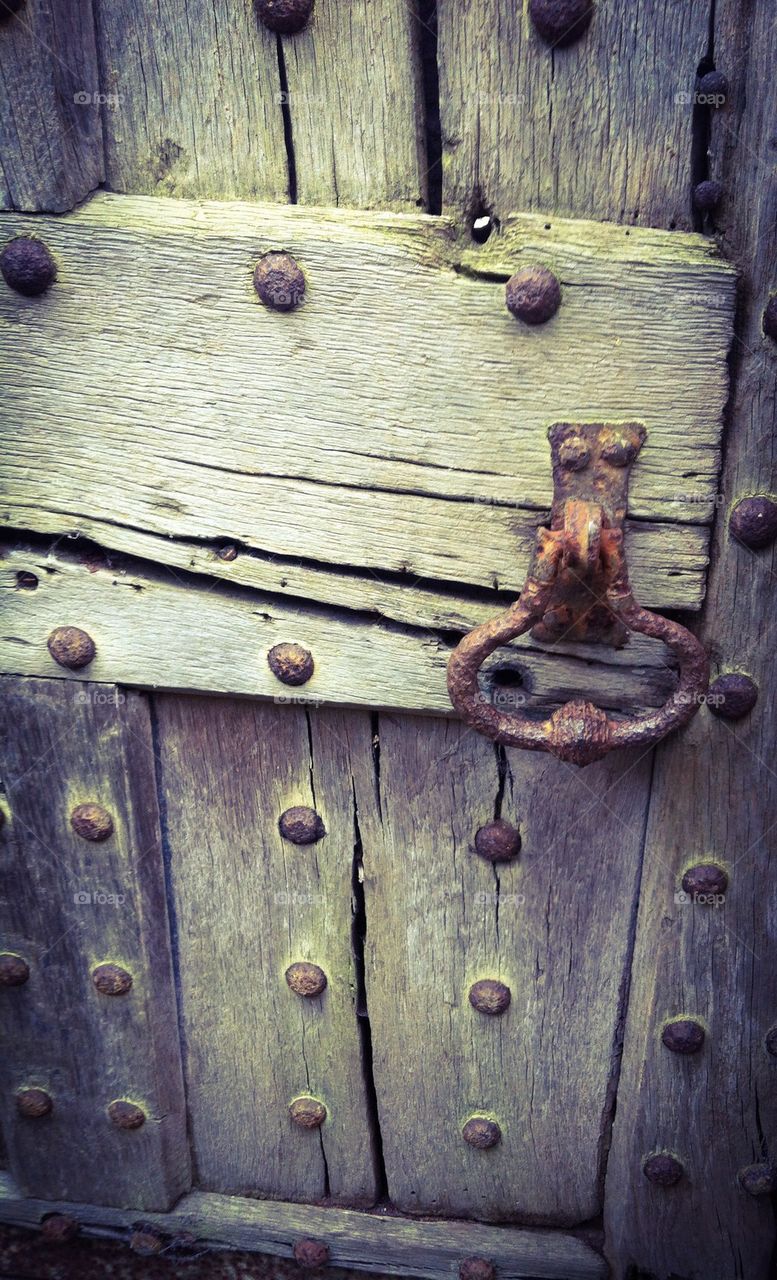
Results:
600 129
248 904
355 102
50 106
554 926
362 1241
717 1110
199 108
425 444
152 630
73 904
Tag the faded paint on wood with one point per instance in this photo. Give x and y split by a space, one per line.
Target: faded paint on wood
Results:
360 1241
196 107
50 105
601 129
355 103
554 926
161 631
73 904
248 904
715 798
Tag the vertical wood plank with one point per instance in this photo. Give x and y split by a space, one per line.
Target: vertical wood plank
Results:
600 129
356 106
250 903
50 106
74 904
196 93
554 926
715 800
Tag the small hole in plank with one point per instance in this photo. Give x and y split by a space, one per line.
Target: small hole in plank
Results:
26 581
482 226
507 677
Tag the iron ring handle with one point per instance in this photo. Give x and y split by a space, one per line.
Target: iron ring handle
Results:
579 731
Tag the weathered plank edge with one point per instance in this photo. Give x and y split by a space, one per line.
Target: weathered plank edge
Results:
578 237
400 1246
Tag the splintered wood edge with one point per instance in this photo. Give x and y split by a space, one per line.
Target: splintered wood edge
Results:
360 1240
434 237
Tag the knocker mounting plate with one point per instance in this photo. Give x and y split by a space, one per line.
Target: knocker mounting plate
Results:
591 466
577 589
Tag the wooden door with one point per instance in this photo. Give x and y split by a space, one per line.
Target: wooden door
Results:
282 935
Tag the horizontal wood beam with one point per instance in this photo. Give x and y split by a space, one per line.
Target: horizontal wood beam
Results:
153 629
394 423
362 1241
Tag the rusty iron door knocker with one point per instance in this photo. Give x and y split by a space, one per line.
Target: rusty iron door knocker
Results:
577 588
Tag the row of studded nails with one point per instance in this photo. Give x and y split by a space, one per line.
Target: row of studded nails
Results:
61 1228
731 696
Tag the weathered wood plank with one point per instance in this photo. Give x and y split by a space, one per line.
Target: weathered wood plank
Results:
151 631
249 903
195 395
74 904
717 1110
600 129
51 96
359 1240
554 926
199 100
356 105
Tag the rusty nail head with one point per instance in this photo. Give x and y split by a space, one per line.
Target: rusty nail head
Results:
498 841
58 1228
489 996
770 318
663 1169
714 88
228 553
705 881
111 980
287 17
732 696
771 1041
307 1112
754 522
574 453
618 450
71 647
759 1179
306 979
683 1035
290 663
533 295
477 1269
561 22
279 281
707 195
146 1241
482 1133
91 822
126 1115
311 1253
14 971
34 1103
27 266
301 825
